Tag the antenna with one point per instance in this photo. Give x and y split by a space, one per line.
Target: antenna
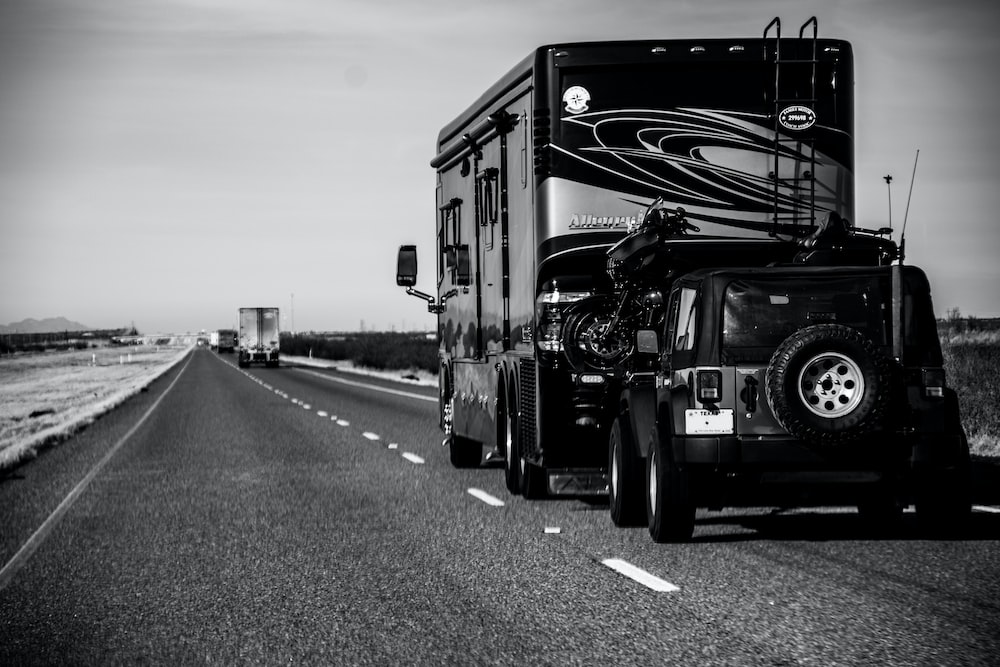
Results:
902 236
888 186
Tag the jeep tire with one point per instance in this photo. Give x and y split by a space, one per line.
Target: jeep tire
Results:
669 510
828 383
943 502
880 509
626 486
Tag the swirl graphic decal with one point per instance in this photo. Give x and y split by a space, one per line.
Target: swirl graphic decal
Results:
719 165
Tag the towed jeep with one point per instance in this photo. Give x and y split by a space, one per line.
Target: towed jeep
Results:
799 384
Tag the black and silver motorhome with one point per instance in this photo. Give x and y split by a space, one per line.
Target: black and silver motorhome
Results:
554 163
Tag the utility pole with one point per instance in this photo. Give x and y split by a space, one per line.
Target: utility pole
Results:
293 314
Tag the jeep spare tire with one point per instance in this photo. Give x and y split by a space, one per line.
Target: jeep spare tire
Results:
828 383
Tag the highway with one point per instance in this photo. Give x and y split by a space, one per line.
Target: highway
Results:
284 516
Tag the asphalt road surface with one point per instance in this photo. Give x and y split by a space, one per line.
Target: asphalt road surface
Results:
285 516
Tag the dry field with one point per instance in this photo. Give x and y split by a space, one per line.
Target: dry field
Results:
972 361
46 397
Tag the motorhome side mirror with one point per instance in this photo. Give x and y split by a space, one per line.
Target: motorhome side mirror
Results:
406 266
463 271
646 342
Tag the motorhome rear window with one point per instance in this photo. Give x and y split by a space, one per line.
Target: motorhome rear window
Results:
762 313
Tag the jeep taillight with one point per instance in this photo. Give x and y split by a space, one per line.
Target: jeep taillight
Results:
549 312
932 380
709 386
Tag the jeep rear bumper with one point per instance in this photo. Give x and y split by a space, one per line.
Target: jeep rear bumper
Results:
936 450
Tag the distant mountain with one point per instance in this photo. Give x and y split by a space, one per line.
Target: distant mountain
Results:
48 325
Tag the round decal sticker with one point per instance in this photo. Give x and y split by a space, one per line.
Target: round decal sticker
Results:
575 98
797 117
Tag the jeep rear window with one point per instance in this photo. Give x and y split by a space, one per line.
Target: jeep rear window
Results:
761 313
684 331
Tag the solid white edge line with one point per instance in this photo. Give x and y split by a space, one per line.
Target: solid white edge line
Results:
636 574
986 508
412 458
397 392
485 497
25 552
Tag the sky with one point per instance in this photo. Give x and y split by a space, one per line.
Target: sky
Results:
163 162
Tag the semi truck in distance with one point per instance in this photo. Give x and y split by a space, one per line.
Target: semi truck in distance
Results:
225 340
258 336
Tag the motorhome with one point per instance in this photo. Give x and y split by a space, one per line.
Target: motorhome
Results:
553 164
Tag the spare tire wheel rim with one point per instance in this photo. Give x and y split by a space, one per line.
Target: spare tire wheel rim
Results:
831 385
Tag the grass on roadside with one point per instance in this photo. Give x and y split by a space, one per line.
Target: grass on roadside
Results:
46 397
971 361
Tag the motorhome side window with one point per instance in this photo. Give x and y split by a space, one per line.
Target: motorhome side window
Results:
442 244
487 203
684 329
449 237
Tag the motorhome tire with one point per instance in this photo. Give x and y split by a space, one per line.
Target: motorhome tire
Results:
626 485
534 481
507 439
465 452
828 383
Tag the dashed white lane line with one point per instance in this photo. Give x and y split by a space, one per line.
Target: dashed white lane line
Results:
370 435
639 575
986 508
306 406
485 497
412 458
343 422
322 413
393 445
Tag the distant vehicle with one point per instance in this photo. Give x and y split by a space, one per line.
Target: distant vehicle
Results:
225 340
258 336
213 340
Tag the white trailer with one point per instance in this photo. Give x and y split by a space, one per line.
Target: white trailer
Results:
258 336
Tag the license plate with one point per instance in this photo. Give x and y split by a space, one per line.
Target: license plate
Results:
706 422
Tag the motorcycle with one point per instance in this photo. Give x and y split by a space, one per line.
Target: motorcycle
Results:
600 330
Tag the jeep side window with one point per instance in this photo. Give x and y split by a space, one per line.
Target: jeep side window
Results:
684 331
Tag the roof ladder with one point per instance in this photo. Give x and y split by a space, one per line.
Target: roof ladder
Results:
793 171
